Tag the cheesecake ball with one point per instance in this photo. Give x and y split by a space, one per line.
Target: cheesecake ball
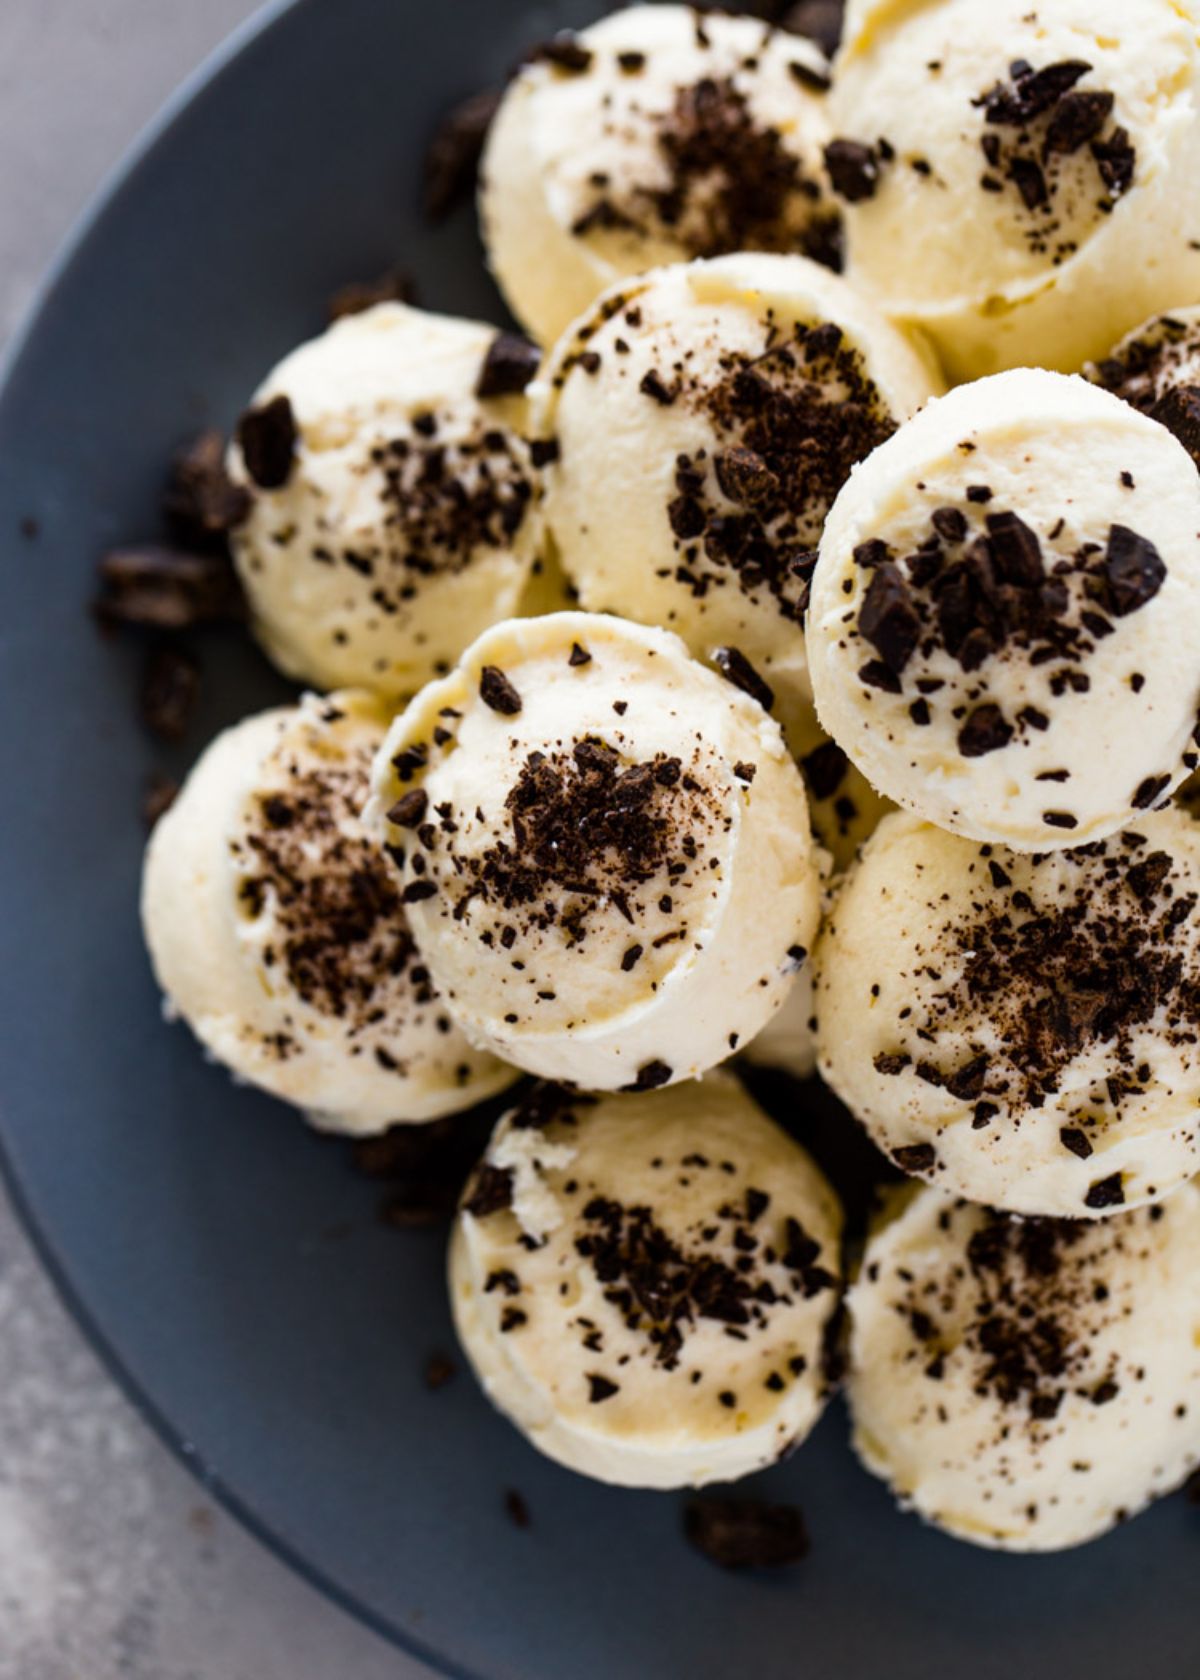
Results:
604 849
393 497
1157 369
702 420
657 135
1022 183
1027 1384
1021 1030
1005 612
276 928
645 1284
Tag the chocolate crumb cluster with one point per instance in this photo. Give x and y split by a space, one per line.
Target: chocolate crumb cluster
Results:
1158 373
789 424
1019 1319
1057 149
723 180
337 929
585 835
1049 968
981 586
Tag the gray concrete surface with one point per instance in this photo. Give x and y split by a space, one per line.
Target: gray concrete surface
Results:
113 1565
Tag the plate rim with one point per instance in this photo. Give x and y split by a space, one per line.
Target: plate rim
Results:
118 178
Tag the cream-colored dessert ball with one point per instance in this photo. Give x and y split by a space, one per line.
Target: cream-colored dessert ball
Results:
276 929
656 135
606 851
1027 1384
1005 613
1021 1030
394 507
1021 181
644 1284
704 419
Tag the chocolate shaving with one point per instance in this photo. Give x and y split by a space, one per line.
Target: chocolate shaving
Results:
267 439
509 365
169 691
745 1533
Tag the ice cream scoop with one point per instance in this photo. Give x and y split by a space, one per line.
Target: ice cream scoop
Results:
1027 1384
726 403
658 134
645 1284
277 932
604 851
394 498
1023 183
1021 1030
1005 611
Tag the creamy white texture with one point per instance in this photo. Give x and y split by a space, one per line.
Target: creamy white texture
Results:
658 1223
1027 1385
681 136
1035 682
1014 242
612 878
407 521
1021 1030
728 400
276 932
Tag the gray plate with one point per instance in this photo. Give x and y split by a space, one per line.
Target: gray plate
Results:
228 1263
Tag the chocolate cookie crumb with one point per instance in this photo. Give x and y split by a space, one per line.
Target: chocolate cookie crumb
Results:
915 1157
517 1509
490 1191
201 503
510 363
497 692
853 169
745 1533
600 1388
394 286
439 1370
1106 1192
267 438
169 691
737 669
452 158
153 586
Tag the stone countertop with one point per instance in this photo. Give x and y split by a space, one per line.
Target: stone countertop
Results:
114 1565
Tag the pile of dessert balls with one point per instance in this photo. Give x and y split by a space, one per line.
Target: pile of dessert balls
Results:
788 651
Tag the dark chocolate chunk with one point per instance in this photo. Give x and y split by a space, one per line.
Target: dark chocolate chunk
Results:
744 476
566 52
950 523
1027 176
825 769
600 1388
653 385
509 365
490 1191
579 656
737 669
650 1076
1133 570
542 451
1116 160
853 169
1076 1140
1147 793
201 503
452 158
161 588
267 439
170 689
915 1157
416 891
1106 1192
1015 549
409 811
1179 411
516 1509
745 1533
496 691
986 730
875 674
1076 119
1060 819
357 296
888 619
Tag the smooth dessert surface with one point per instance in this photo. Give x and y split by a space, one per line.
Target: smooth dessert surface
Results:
645 1284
